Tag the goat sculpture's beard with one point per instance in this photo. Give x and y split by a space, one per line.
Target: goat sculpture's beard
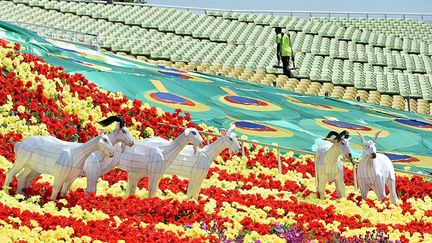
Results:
348 157
233 152
195 147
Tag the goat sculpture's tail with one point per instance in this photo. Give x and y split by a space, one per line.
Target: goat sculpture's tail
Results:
17 145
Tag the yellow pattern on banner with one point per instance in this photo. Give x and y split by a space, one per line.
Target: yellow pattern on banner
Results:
159 86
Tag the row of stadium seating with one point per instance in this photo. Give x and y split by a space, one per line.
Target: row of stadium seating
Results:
126 13
176 20
364 54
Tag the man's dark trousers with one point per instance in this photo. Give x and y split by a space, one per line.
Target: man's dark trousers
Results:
285 65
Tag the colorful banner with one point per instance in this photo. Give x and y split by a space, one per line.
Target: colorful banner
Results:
261 112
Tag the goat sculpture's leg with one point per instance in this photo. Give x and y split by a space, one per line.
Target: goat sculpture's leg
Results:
195 195
322 182
92 172
62 171
153 183
381 188
91 184
190 189
192 181
392 186
378 187
66 186
58 183
20 162
194 191
132 183
340 185
29 178
22 178
364 189
195 183
316 174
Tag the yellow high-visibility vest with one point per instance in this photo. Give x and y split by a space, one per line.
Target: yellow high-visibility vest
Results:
286 50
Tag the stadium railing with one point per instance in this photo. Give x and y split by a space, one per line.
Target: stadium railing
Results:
306 14
282 148
61 34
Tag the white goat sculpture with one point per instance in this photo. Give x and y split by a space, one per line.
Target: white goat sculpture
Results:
375 171
195 166
93 168
49 155
328 165
143 160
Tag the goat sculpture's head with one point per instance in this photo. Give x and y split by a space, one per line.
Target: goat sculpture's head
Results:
369 147
121 132
229 139
105 144
341 140
193 137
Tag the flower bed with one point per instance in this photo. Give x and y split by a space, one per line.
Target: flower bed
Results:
242 199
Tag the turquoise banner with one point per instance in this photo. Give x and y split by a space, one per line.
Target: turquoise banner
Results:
263 113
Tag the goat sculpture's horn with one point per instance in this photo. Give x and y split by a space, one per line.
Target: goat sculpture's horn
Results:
376 135
111 119
332 133
361 137
343 134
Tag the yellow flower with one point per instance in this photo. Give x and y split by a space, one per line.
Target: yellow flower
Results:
149 131
21 109
280 211
15 220
210 206
7 63
231 234
86 239
67 109
267 208
117 220
159 111
195 232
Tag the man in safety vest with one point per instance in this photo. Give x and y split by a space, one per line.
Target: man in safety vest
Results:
284 50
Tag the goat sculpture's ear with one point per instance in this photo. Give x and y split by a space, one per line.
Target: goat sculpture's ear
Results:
361 138
376 135
343 135
186 132
231 129
223 132
101 132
